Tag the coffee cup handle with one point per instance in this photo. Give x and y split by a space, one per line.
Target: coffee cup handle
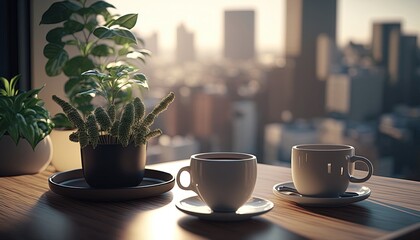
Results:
369 166
178 179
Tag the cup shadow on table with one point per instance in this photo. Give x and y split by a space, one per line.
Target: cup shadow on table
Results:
254 228
373 214
58 217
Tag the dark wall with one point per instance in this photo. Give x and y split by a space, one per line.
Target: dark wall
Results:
15 38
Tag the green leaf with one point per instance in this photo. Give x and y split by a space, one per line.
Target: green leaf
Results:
91 25
140 79
26 99
100 6
140 76
55 65
90 92
55 35
82 103
122 40
88 48
72 26
107 16
6 86
103 32
5 103
95 73
125 50
59 12
126 34
110 33
127 21
32 111
71 83
141 57
13 131
12 87
145 52
77 65
75 85
22 125
61 121
86 11
72 42
137 55
52 50
102 50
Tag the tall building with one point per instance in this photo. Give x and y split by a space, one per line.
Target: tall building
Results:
245 117
212 115
239 35
381 37
277 94
397 54
151 43
356 95
385 53
402 67
185 49
327 57
306 21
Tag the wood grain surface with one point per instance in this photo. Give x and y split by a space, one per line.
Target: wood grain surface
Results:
29 210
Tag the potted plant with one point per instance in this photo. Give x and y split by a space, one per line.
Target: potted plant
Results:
113 139
24 128
86 37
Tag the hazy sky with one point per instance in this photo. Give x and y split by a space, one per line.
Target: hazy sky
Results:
205 19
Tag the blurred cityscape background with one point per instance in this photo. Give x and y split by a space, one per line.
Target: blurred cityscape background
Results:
248 95
261 76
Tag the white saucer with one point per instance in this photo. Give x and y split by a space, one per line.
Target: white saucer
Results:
353 194
195 207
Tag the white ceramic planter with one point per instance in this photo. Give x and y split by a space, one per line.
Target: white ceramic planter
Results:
22 159
66 153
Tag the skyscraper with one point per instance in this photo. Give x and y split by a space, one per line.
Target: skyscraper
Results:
402 84
385 53
356 95
381 37
239 35
410 77
306 22
151 43
397 54
185 50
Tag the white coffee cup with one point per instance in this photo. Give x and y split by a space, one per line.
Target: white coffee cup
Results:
223 180
325 170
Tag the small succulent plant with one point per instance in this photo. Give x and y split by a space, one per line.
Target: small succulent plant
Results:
22 114
109 126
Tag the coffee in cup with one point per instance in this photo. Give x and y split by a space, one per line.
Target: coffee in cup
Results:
325 170
223 180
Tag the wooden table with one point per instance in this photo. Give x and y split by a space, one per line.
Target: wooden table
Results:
29 210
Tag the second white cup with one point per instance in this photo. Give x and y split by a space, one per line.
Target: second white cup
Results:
325 170
223 180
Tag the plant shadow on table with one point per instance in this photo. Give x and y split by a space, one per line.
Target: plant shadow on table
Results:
254 228
57 217
373 214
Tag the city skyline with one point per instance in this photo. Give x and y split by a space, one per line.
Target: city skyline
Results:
246 106
354 20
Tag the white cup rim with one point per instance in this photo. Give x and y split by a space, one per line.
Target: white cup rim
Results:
223 156
322 147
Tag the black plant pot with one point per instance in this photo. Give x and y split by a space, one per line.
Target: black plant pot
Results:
113 166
